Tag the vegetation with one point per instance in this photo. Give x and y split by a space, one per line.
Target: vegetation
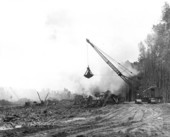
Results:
154 58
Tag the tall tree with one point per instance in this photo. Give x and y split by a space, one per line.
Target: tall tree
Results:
154 57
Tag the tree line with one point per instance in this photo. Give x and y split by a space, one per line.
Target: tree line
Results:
154 57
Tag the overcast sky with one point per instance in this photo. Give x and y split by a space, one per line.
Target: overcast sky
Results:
42 42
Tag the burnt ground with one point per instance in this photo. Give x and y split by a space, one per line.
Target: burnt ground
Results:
64 119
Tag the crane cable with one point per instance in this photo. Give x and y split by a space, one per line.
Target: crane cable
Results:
122 67
88 73
87 53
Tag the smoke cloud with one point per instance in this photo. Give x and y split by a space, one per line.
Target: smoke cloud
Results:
106 80
77 84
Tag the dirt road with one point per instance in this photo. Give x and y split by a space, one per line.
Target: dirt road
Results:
122 120
116 120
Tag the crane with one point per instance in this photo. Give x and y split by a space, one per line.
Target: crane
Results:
125 79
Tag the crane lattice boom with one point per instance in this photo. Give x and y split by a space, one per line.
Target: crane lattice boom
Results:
109 63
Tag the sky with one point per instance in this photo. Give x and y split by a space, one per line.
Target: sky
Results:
43 42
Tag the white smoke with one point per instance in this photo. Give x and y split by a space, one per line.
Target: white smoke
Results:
106 80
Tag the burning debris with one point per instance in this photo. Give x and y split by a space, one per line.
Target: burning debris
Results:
101 99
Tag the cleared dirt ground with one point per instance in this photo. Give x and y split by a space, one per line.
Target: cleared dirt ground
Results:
122 120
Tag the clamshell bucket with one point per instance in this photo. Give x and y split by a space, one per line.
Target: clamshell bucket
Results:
88 73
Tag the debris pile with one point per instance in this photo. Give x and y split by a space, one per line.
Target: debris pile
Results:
97 101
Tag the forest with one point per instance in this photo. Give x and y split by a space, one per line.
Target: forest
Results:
154 57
